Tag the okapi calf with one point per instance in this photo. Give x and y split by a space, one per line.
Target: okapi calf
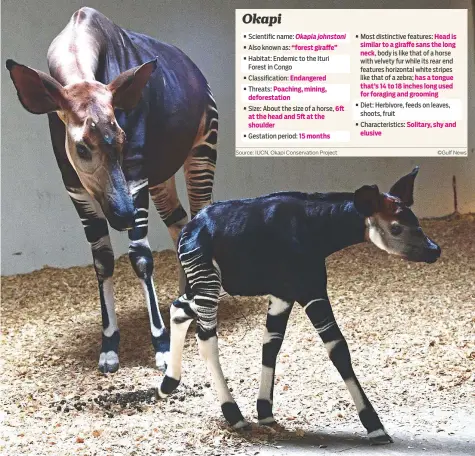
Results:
125 113
276 245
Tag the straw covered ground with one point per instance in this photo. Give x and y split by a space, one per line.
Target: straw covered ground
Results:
410 328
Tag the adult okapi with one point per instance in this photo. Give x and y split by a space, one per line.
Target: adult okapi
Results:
125 113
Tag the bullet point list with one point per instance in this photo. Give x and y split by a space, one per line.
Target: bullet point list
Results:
301 85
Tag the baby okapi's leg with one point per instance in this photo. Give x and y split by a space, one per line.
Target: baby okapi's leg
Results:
181 316
321 315
141 258
168 205
206 287
97 233
276 324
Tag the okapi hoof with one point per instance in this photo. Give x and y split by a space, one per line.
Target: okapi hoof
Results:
162 360
169 384
264 412
161 344
379 437
242 424
109 358
109 362
233 415
268 421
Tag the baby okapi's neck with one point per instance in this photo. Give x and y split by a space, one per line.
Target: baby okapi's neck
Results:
339 223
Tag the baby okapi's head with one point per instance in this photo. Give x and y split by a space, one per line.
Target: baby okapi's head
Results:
391 225
94 140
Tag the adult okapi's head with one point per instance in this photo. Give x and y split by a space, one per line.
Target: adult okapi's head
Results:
94 140
391 225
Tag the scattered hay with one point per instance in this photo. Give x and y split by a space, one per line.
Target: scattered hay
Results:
410 328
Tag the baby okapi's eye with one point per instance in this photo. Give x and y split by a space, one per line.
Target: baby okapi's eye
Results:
396 229
83 151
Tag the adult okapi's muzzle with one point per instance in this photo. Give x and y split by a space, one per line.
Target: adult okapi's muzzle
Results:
115 198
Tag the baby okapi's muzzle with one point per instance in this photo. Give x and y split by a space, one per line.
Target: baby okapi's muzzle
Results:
429 253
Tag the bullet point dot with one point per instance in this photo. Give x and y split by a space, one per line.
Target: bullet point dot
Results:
356 104
356 36
246 108
244 47
245 88
245 36
244 58
245 77
356 124
244 135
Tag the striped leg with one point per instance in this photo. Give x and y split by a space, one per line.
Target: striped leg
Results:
181 316
141 258
97 234
276 324
200 165
204 285
165 199
206 288
321 315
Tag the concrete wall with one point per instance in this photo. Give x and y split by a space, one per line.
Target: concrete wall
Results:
39 224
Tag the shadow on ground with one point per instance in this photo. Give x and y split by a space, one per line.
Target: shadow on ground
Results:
350 444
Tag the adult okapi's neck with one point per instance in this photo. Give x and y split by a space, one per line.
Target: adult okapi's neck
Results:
338 223
74 54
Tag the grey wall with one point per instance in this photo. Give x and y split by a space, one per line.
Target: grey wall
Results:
39 224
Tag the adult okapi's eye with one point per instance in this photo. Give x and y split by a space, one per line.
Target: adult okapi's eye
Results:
395 229
83 151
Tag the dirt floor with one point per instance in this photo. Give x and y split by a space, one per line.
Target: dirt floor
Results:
410 328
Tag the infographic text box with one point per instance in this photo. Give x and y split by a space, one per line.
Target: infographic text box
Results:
358 83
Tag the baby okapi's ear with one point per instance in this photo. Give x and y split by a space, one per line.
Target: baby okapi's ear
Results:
404 188
38 92
367 200
127 87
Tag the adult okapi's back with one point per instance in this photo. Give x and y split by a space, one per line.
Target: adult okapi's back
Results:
165 122
126 111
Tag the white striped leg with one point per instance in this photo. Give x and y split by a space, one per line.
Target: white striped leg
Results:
276 324
321 315
109 357
181 316
141 258
97 234
205 284
208 347
206 308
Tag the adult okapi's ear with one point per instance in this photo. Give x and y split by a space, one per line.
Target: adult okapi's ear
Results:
367 200
127 87
38 92
404 187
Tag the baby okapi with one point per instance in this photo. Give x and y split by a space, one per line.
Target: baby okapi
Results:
276 245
